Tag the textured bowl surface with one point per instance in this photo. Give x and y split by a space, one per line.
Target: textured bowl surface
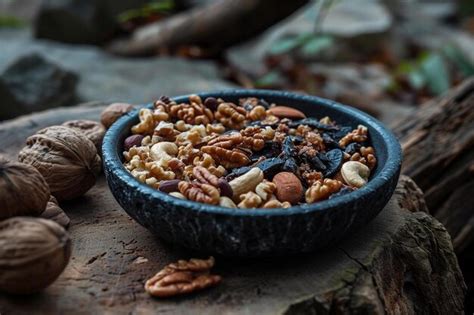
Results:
262 232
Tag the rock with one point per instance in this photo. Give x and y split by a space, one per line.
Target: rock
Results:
351 22
33 83
112 79
81 21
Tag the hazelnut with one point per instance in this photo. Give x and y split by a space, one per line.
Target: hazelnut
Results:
67 160
55 213
93 130
23 191
113 112
33 253
288 187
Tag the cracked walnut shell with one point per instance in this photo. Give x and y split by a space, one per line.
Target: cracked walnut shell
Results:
93 130
23 190
67 160
33 253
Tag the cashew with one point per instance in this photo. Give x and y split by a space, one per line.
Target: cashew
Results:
163 152
246 182
355 173
177 195
226 202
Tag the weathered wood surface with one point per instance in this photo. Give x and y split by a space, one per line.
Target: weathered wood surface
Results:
402 262
438 149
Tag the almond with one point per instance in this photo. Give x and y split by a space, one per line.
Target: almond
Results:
286 112
288 187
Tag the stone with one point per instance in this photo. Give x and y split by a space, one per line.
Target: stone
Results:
81 21
32 83
107 78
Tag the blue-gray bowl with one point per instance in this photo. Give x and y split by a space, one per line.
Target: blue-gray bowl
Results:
262 232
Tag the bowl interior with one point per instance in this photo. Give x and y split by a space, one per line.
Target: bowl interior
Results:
386 146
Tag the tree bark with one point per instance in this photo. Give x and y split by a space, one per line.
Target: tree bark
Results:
438 148
216 26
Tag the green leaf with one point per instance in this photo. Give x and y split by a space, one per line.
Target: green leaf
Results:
287 44
268 80
456 56
433 68
316 44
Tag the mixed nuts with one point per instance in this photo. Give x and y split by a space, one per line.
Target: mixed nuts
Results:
246 155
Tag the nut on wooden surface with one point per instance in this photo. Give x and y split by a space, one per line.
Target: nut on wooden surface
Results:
23 190
54 212
93 130
67 160
33 253
113 112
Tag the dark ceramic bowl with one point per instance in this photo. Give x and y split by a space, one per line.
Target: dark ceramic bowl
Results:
238 232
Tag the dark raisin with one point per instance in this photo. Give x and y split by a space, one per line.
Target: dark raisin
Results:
334 159
270 167
296 139
225 188
338 134
165 99
247 106
263 103
211 103
288 147
236 172
352 148
316 163
329 142
290 165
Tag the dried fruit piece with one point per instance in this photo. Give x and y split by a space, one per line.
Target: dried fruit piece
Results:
113 112
67 160
288 187
132 141
286 112
168 186
33 253
23 190
182 277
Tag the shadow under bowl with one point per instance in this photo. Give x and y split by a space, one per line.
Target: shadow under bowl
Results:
259 232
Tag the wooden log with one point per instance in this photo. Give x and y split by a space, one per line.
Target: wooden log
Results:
438 149
401 262
213 26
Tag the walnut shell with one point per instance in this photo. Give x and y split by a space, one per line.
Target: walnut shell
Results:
33 253
113 112
93 130
23 190
54 212
67 160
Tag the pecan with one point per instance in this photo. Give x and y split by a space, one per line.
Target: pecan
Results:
228 158
237 140
231 115
205 177
204 193
182 277
322 189
194 113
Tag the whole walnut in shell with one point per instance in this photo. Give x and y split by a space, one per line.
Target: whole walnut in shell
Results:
93 130
113 112
67 160
54 212
33 253
23 190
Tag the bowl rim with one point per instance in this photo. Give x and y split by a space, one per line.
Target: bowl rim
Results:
389 170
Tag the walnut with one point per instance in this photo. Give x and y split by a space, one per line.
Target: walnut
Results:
228 158
257 113
93 130
314 139
147 123
265 189
206 161
312 176
249 200
67 160
231 115
199 192
322 189
369 154
23 190
194 113
237 140
215 128
275 203
113 112
356 135
182 277
55 213
166 131
33 253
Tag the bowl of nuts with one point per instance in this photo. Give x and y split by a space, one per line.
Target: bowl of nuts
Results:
251 172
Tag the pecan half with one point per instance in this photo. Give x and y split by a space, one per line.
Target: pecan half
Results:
182 277
204 176
226 157
204 193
